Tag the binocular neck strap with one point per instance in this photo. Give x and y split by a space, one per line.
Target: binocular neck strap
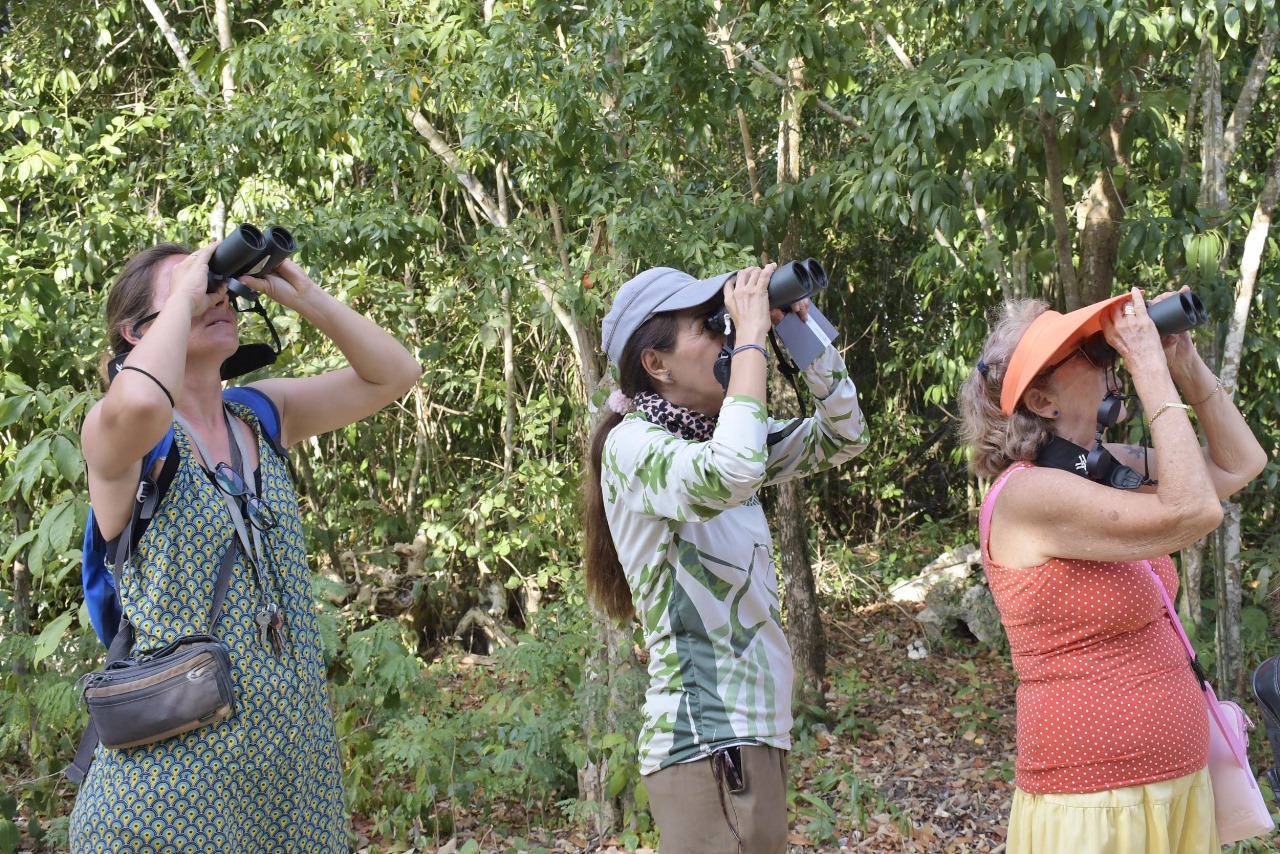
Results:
249 536
1097 465
790 371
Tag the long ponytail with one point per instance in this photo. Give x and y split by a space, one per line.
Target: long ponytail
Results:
606 580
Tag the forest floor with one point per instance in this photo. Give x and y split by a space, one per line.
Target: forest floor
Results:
917 756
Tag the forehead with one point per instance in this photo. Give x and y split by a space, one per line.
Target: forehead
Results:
161 273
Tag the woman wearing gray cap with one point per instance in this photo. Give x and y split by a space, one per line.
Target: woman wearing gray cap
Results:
677 536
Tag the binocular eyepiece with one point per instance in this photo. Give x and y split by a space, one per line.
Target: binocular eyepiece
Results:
247 251
1178 313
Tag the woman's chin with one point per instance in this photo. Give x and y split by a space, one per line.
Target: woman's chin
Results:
213 353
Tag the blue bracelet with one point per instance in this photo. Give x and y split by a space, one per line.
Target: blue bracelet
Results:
737 350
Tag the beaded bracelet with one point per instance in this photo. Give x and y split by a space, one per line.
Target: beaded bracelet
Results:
1163 407
737 350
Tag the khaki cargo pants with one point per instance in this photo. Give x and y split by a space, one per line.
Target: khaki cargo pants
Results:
686 803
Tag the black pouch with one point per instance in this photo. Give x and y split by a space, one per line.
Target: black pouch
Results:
178 688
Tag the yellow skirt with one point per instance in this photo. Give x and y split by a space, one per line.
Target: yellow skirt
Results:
1169 817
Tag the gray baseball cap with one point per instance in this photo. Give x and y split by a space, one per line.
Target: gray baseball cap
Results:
654 291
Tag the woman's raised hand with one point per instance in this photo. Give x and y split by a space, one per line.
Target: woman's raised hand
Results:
1179 350
746 296
1133 335
189 279
287 284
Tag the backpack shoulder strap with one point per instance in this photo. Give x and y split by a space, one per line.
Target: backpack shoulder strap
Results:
150 491
264 409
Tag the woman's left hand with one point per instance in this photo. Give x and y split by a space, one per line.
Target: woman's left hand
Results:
801 308
1179 350
287 284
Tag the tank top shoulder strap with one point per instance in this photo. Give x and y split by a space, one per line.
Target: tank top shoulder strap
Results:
989 503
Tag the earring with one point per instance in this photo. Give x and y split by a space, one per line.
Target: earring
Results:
670 377
1055 413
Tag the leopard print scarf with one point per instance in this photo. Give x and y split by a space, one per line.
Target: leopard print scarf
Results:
685 423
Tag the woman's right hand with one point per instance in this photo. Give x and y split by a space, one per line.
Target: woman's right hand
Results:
746 296
189 279
1133 335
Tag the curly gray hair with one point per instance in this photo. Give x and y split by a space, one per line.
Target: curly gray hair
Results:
996 440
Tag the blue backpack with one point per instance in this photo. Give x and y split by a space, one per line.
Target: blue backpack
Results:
96 561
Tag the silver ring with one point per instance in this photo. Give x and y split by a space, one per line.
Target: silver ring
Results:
1129 310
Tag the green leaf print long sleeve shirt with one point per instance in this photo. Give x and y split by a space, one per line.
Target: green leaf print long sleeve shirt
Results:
696 548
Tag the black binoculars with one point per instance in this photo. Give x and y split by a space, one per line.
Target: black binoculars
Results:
247 251
790 283
794 281
1178 313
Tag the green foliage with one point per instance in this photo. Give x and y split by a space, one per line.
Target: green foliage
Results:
421 740
835 798
970 706
606 138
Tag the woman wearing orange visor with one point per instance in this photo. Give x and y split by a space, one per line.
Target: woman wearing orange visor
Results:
1113 733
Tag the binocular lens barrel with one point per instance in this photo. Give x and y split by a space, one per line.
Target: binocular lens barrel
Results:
1177 313
280 245
795 281
236 254
280 240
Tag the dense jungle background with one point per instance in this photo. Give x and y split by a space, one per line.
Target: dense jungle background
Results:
479 177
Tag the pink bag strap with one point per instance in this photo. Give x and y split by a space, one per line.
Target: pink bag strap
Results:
989 504
1210 698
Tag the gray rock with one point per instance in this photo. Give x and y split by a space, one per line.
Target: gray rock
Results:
963 602
956 565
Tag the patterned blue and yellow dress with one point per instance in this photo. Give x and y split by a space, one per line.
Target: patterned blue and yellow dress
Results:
268 778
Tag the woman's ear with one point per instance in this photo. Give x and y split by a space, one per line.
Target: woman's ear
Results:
126 332
655 365
1041 403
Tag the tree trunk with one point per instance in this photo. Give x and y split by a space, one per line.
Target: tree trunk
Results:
23 607
184 62
222 17
1192 577
1213 201
804 624
1230 672
1193 105
1230 677
1249 92
1100 238
744 129
612 705
618 680
222 12
1058 206
509 383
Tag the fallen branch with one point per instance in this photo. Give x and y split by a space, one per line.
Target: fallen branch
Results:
479 618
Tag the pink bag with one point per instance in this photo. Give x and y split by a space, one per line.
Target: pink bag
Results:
1239 808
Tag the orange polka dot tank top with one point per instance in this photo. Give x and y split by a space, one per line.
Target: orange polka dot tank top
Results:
1106 697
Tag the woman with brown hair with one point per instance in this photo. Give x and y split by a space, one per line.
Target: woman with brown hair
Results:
267 778
1113 733
676 536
